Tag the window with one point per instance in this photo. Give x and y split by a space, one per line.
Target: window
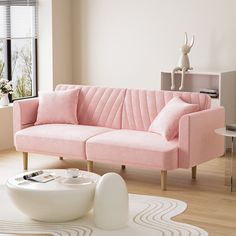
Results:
18 46
2 60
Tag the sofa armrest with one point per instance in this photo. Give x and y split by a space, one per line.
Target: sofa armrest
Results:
198 141
24 113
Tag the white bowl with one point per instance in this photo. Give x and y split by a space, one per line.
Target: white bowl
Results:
54 201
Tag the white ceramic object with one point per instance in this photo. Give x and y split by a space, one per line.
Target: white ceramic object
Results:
183 63
111 207
59 200
4 101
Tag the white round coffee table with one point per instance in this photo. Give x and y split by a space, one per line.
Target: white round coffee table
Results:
59 200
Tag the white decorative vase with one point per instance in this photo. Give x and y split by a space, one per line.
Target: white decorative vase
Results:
4 101
111 206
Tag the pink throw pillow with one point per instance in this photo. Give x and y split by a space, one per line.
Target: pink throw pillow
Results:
167 121
58 107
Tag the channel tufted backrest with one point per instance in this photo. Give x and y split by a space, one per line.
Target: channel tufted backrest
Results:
126 108
99 106
142 106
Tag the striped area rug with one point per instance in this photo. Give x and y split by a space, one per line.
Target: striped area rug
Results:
149 216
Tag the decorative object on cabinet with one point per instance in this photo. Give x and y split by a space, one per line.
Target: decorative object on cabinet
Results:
183 63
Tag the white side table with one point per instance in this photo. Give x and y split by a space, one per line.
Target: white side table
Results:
230 165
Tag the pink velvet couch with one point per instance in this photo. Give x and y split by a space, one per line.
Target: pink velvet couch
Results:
113 128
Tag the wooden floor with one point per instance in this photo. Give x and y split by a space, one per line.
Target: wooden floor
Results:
211 205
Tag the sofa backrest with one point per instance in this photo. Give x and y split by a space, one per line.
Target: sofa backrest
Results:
142 106
126 108
99 106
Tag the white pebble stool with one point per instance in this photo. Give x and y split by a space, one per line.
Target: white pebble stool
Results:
111 205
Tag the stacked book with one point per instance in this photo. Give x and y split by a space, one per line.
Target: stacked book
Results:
213 93
231 127
39 176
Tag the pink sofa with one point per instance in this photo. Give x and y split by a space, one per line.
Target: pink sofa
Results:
113 128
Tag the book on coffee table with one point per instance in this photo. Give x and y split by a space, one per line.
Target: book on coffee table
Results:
40 176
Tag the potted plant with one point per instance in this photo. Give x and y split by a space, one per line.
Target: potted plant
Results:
5 89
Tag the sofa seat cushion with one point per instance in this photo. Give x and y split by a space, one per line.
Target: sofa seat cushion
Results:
140 148
56 139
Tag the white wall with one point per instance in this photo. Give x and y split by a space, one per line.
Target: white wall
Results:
125 43
62 41
45 50
6 128
54 43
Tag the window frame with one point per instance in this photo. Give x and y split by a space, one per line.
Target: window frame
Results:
8 48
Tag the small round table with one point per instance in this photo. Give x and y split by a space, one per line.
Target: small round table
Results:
58 200
230 167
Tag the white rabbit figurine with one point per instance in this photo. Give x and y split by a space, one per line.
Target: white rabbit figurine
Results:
183 64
